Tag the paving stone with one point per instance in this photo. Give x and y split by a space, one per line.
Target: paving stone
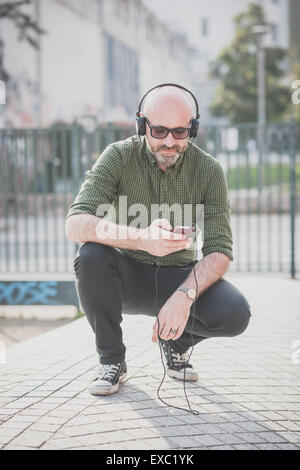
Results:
289 436
31 438
14 447
184 442
207 440
251 426
118 436
52 420
167 421
230 438
6 435
291 425
287 446
252 437
245 447
63 443
228 428
43 427
224 447
271 437
90 439
156 443
267 446
9 424
273 425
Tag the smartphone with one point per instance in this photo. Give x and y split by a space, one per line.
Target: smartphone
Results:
184 229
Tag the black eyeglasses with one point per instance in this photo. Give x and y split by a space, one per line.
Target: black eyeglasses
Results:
161 132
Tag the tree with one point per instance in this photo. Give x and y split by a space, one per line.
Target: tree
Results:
296 91
236 71
27 27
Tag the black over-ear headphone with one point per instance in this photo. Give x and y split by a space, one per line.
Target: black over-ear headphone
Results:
140 123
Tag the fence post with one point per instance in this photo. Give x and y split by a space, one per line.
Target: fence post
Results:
75 156
292 134
111 132
75 163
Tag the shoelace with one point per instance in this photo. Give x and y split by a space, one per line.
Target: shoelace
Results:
179 359
110 370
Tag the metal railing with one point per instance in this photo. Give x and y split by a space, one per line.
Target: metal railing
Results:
41 171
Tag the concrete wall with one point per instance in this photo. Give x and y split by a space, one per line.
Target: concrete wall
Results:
97 58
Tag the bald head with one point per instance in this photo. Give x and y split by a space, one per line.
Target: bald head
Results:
169 103
170 107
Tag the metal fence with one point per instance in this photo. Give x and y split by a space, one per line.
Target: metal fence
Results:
41 171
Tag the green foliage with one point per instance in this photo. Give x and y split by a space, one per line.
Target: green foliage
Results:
79 314
276 174
296 76
236 71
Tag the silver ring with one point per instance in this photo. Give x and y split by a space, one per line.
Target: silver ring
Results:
173 331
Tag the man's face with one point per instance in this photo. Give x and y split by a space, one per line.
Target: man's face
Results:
168 150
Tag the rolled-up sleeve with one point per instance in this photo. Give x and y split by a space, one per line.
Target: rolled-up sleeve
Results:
217 235
100 185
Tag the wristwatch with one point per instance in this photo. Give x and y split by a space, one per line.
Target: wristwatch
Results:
191 293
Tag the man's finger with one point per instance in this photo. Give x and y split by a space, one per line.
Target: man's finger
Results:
164 333
154 336
172 236
161 330
164 224
178 334
177 243
172 333
157 330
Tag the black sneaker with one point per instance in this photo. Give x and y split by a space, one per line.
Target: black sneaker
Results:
178 365
108 379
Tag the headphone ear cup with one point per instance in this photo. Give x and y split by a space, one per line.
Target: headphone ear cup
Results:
140 125
194 128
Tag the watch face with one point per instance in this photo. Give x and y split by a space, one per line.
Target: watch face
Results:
192 294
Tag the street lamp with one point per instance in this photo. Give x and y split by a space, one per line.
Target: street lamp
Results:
1 57
260 31
2 75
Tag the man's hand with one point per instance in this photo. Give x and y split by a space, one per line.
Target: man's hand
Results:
173 316
159 240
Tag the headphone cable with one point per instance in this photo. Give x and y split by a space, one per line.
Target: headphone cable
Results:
190 410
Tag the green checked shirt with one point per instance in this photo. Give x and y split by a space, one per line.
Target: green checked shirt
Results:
128 183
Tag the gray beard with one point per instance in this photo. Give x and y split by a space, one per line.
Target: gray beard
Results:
163 159
167 161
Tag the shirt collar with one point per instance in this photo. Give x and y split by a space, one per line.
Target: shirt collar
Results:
149 154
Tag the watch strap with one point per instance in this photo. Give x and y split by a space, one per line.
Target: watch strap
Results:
186 290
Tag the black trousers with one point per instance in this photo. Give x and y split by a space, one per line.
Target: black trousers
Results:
109 284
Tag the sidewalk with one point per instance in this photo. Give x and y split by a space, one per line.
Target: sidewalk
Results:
248 394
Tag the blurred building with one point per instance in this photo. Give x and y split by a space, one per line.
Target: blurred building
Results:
209 27
96 59
295 30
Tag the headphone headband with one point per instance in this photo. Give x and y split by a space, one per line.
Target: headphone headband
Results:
141 121
168 84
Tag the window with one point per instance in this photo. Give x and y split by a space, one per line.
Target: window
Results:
275 33
204 27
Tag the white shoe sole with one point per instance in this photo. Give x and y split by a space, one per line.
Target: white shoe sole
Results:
106 389
188 376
